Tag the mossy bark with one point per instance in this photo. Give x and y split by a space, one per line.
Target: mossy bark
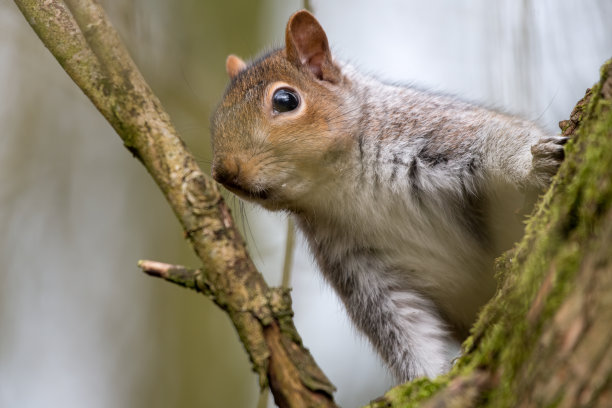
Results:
545 339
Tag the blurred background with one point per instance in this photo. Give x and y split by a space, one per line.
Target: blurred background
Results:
80 325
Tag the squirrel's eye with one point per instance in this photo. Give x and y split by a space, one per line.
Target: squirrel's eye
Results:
285 100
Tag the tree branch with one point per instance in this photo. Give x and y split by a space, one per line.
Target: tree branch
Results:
81 38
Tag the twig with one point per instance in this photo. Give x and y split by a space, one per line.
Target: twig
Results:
177 274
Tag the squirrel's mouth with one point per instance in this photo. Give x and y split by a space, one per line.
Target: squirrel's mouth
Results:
232 180
248 194
271 199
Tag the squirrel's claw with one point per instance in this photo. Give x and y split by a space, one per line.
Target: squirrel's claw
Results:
547 155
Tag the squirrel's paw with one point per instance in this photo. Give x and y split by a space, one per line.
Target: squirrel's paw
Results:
547 155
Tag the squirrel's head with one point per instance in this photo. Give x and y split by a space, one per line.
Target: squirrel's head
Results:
279 131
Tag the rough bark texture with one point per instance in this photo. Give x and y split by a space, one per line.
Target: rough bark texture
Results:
80 37
546 337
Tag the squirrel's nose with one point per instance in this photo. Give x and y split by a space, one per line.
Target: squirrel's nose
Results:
234 175
226 171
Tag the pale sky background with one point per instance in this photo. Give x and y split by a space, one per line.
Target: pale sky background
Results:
79 324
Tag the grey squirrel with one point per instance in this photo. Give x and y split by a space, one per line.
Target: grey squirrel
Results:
404 196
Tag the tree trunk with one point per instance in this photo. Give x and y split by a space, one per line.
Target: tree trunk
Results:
546 337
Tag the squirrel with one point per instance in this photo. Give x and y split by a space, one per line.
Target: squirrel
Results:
402 194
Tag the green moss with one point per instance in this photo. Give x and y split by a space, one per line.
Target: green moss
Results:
410 395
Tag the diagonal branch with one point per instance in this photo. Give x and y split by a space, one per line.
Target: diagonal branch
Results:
81 38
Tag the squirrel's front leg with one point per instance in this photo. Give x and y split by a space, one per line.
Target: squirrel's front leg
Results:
404 326
523 154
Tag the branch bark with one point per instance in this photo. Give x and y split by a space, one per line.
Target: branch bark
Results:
81 38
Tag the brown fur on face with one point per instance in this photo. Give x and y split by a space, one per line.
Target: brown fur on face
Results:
258 150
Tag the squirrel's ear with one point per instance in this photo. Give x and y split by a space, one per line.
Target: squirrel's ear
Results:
306 45
234 65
